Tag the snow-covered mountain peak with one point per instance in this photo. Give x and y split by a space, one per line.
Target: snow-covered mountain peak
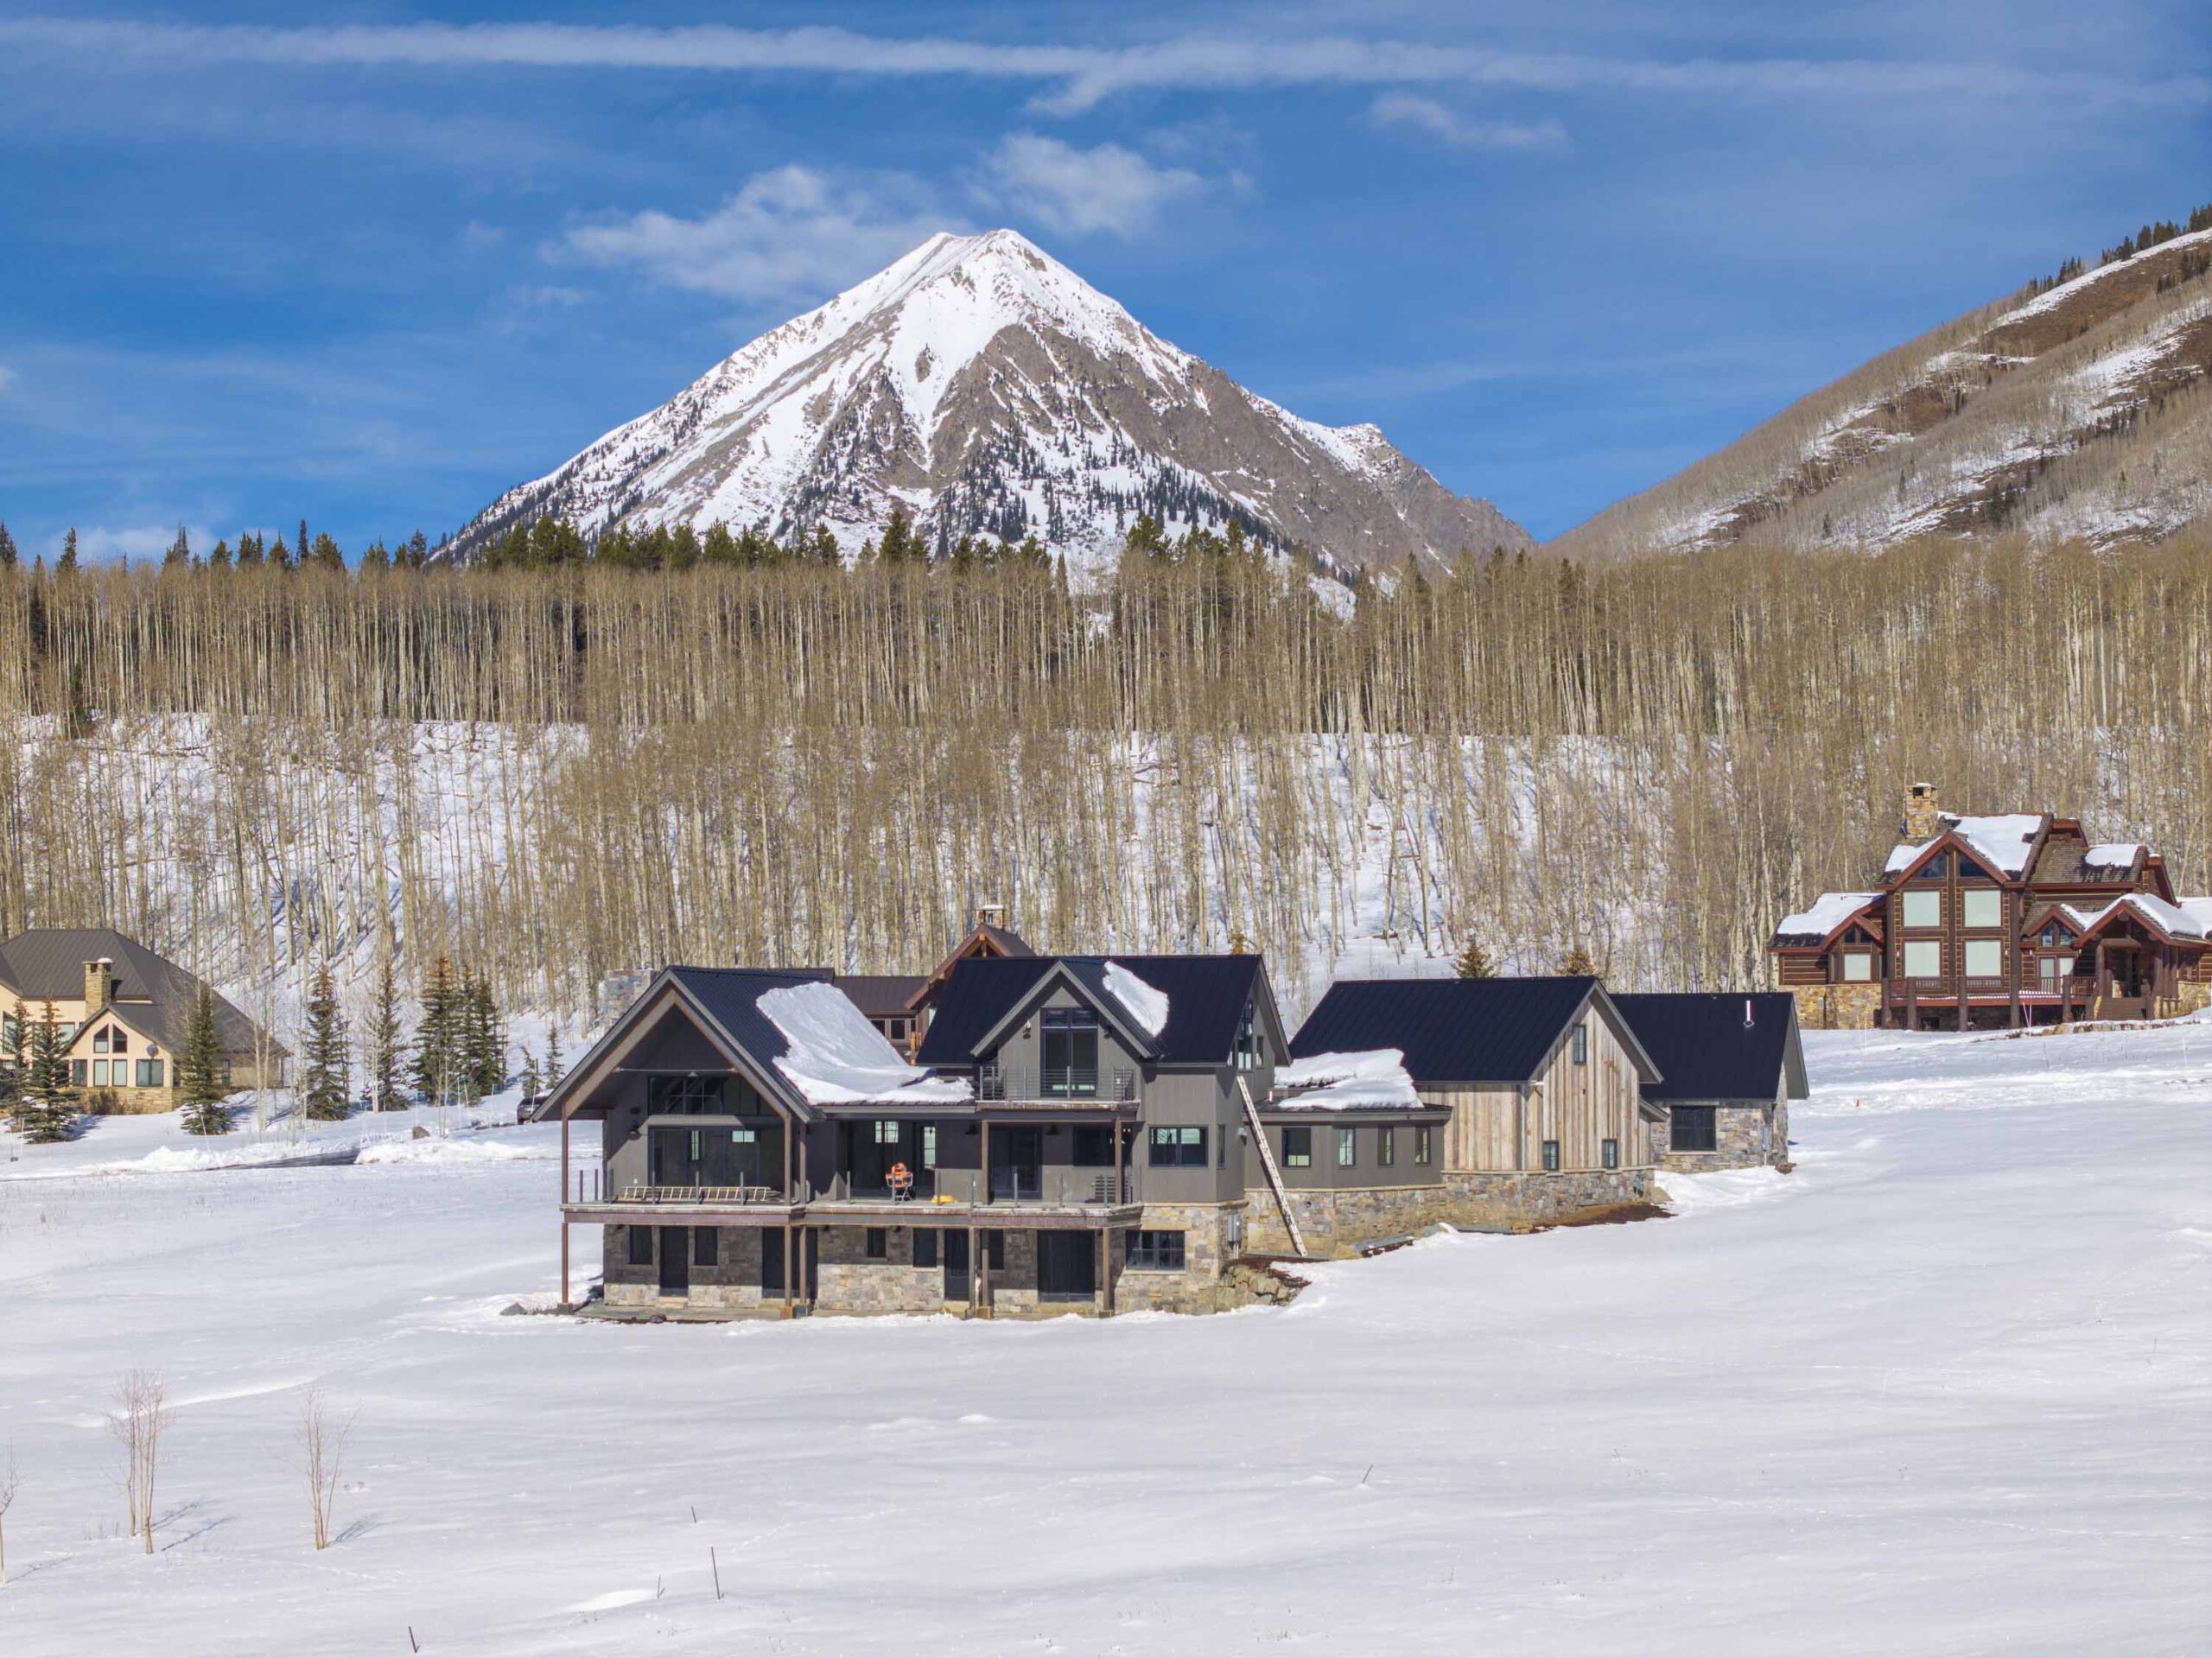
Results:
981 386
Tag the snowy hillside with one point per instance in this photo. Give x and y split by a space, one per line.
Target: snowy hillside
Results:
1942 1390
984 387
2083 414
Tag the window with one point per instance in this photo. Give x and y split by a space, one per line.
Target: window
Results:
706 1245
1094 1147
77 1069
878 1244
1069 1040
1386 1146
149 1073
1247 1041
1298 1147
1551 1157
1347 1147
1611 1157
1935 869
1582 1045
2053 972
1858 966
1923 959
1179 1148
1421 1144
1923 909
118 1041
684 1095
641 1246
99 1041
924 1247
1969 870
1981 906
2054 935
1693 1128
1985 958
887 1133
1155 1252
99 1073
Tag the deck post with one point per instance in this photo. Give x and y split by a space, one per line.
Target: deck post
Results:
791 1249
565 1302
1120 1190
1105 1271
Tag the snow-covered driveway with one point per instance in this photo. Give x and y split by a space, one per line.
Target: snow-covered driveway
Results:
1946 1390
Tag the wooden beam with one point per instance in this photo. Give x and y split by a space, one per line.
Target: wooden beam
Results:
565 1301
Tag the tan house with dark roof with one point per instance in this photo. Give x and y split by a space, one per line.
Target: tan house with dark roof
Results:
1980 922
126 1012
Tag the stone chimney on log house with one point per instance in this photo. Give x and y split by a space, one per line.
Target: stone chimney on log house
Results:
1923 818
99 985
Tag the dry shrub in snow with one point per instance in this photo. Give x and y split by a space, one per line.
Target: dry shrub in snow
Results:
136 1423
322 1447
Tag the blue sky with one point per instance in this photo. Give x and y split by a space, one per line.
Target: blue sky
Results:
371 264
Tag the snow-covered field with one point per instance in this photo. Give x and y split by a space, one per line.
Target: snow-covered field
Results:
1946 1390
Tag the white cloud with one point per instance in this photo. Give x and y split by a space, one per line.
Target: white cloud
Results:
1463 132
1079 77
790 233
7 377
104 544
1083 192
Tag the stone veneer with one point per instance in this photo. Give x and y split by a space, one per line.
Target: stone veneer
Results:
1336 1222
1210 1234
1535 1197
1736 1130
1837 1006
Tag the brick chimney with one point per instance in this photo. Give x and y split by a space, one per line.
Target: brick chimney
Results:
1923 818
99 985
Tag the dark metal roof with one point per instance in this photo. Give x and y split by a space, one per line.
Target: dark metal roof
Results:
1206 999
731 996
881 995
1705 1049
50 961
1489 1030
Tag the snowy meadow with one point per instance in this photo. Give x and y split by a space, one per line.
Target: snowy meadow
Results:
1947 1389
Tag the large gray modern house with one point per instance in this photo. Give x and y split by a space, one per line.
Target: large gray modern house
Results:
1070 1136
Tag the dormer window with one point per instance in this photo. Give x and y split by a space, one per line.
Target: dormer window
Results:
1969 870
2054 935
1935 869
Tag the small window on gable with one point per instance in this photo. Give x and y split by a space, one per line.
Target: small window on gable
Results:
1582 1045
1969 870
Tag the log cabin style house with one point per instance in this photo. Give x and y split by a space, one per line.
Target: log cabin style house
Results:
1978 923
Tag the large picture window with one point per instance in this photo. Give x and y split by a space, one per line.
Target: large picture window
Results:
1068 1042
1982 906
1858 966
1923 909
1985 958
1298 1147
684 1095
1923 959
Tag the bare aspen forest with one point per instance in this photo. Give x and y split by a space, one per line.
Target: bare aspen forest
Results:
561 774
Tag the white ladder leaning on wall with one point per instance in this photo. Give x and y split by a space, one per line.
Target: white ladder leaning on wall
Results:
1274 1174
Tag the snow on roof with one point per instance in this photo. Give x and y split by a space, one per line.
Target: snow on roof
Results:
1146 1004
1829 911
2003 841
836 1057
1338 1082
2190 918
2113 855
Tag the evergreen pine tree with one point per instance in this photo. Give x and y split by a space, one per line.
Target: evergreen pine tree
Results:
1578 961
1474 961
201 1089
15 1037
433 1068
180 553
7 548
220 558
249 550
67 565
47 1110
553 1068
384 1046
483 1041
325 1085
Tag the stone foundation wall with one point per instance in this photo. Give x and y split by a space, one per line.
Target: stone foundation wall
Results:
1837 1006
1737 1129
848 1281
1533 1197
1335 1223
1213 1235
2191 996
732 1284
